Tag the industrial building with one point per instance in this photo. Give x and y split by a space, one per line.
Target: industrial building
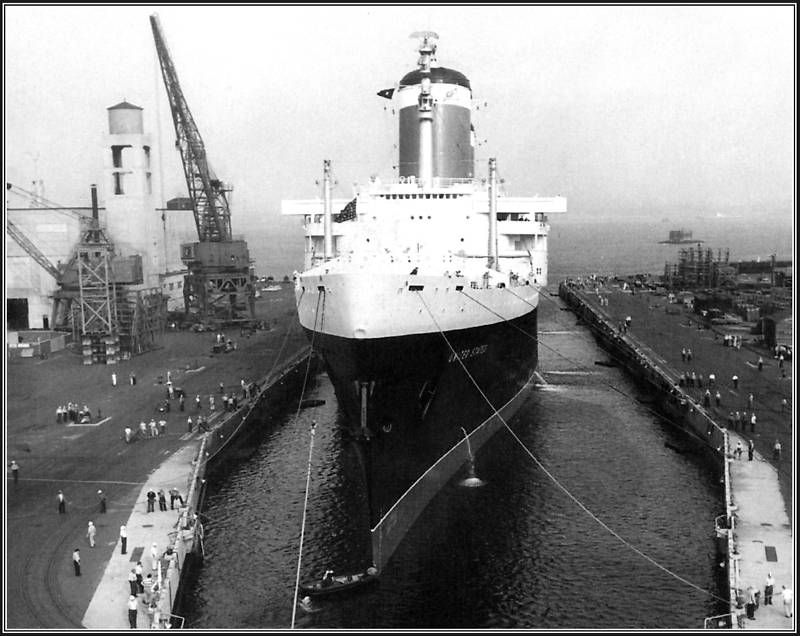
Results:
52 252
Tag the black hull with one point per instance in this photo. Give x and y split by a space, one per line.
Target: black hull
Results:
419 396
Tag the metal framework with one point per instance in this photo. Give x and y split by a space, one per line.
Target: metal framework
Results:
98 307
34 252
212 214
142 319
212 290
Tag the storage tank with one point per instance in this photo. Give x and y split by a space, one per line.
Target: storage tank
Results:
451 113
124 119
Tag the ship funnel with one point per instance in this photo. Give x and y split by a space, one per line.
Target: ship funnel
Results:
435 110
471 480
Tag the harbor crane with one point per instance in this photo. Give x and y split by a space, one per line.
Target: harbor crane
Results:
218 280
98 295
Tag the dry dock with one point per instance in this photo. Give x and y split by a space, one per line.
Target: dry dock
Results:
756 536
82 459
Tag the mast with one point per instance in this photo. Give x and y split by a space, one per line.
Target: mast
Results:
493 259
327 217
427 51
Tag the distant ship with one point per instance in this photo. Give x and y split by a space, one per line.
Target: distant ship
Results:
678 237
421 297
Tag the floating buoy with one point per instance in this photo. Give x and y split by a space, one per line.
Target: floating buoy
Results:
471 480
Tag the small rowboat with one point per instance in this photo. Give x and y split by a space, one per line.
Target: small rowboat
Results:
340 583
309 403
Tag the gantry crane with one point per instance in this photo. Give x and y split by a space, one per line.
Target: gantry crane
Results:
219 280
94 297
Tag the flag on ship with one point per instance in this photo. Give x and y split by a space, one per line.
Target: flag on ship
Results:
348 213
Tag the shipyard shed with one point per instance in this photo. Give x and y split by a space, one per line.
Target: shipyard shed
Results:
42 236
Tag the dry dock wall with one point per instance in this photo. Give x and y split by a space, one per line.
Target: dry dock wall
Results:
678 406
187 540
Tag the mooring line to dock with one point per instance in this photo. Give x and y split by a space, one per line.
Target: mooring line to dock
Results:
308 471
552 477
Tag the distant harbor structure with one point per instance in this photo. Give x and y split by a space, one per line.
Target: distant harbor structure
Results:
680 237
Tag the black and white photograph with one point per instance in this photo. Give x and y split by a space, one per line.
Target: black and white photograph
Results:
411 317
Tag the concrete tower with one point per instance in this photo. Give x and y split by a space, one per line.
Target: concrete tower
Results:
133 223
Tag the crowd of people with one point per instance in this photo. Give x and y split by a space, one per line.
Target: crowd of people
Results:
72 413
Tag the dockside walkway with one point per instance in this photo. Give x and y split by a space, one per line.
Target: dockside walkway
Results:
108 608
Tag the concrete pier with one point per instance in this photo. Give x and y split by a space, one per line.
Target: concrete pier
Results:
80 459
648 337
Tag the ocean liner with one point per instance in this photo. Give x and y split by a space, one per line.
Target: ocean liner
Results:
420 294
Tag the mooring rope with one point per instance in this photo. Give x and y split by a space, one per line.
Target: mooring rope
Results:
553 478
308 471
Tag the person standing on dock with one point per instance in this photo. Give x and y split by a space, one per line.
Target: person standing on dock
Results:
139 570
76 561
132 582
776 451
123 538
683 354
151 501
751 603
113 379
91 531
688 355
760 363
735 379
133 607
189 424
154 556
786 595
197 404
181 401
173 496
739 449
731 421
15 471
62 503
132 378
102 497
753 423
162 500
707 398
750 449
784 405
750 401
768 588
718 398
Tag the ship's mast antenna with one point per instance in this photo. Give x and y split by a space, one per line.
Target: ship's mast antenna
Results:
427 56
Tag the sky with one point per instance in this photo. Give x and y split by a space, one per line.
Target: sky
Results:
623 110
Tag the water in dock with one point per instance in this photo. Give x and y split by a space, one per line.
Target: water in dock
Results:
517 553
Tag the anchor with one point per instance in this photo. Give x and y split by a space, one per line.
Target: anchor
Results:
472 480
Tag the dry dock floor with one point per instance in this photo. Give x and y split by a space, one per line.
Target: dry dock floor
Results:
41 588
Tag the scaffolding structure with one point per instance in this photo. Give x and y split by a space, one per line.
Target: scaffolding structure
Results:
142 320
697 268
